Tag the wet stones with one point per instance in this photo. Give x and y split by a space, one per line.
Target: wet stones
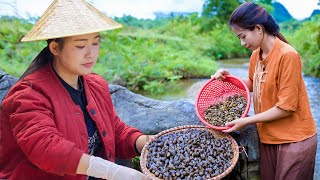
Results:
189 154
229 109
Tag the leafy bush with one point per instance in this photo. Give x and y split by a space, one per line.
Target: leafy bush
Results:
306 39
14 55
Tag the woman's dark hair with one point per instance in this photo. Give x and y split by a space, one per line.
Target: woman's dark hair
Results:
249 14
43 58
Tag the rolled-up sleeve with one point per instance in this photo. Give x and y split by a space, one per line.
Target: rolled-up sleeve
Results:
289 81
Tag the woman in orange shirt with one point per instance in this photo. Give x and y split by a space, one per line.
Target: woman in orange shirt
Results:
286 128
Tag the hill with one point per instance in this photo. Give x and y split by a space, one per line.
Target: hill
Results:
314 13
280 13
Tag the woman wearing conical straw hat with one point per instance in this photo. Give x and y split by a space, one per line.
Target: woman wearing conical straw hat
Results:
58 120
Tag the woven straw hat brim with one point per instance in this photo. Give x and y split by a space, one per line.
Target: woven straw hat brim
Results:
66 18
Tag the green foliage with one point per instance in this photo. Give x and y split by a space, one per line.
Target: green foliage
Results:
266 1
15 56
306 39
290 26
148 55
142 58
136 163
130 21
223 44
219 9
149 59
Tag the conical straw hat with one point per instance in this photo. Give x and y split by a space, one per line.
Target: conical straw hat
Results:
66 18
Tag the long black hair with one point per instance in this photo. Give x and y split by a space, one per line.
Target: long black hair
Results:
43 58
249 14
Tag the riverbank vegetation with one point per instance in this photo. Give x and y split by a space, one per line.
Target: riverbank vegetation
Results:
148 54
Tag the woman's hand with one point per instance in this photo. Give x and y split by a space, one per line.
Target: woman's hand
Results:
142 140
219 75
152 136
274 113
236 125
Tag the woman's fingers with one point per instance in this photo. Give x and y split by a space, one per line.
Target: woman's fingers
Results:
229 130
223 71
152 137
236 125
230 124
220 74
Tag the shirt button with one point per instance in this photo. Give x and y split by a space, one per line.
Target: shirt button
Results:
92 111
104 133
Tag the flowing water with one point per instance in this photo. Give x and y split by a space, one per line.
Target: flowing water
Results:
189 89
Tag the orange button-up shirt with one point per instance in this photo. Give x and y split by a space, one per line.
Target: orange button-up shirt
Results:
282 85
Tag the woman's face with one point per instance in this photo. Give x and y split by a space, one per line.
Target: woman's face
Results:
77 56
250 39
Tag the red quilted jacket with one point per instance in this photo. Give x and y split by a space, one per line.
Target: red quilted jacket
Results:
43 133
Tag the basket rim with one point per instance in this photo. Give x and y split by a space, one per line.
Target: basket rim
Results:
234 144
219 128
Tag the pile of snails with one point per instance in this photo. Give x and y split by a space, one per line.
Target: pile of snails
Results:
189 154
227 110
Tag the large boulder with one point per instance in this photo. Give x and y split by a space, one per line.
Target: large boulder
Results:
149 115
153 116
6 81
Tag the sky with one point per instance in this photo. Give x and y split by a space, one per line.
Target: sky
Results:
299 9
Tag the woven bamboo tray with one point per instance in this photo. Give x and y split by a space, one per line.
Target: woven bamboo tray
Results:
216 134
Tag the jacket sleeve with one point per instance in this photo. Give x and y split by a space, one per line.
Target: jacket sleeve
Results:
34 128
125 140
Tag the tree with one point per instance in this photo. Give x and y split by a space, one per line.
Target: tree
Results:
269 2
215 12
220 9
